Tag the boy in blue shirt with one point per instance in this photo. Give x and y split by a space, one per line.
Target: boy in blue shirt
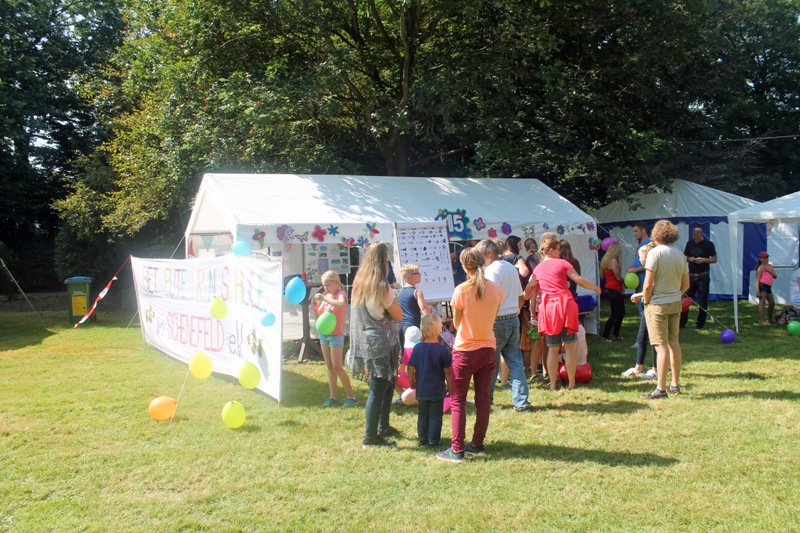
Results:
429 371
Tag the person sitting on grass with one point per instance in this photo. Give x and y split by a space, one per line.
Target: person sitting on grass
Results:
334 299
429 373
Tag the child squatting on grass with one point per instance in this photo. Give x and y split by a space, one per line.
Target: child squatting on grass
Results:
429 371
334 299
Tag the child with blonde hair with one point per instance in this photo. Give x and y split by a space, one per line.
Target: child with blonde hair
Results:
429 371
334 299
611 270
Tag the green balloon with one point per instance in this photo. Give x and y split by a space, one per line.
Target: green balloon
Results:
326 323
249 376
631 280
233 414
793 327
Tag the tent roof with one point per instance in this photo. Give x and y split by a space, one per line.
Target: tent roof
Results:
783 209
243 203
686 199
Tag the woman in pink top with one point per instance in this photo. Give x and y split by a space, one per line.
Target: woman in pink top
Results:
764 276
557 314
475 304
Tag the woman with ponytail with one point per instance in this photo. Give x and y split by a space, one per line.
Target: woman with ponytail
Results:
475 304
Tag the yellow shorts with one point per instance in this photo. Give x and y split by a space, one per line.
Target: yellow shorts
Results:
663 322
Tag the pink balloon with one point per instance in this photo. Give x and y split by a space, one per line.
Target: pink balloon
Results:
685 304
447 402
608 241
402 379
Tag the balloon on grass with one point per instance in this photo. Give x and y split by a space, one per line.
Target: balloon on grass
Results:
268 319
249 376
295 290
727 336
631 280
233 414
583 373
162 408
219 309
793 327
200 365
326 323
241 248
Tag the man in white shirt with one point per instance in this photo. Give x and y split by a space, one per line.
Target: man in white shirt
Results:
506 325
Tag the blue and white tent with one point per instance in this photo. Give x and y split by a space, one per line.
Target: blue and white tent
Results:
689 205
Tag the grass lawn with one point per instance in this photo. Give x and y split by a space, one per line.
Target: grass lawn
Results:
78 451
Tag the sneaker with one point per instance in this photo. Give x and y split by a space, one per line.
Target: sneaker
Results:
635 345
435 444
617 338
650 375
507 386
391 431
604 339
450 455
655 394
398 402
673 390
330 402
631 372
522 408
377 441
350 402
469 449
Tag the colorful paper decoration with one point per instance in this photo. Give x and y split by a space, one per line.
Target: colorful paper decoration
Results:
319 233
506 228
479 224
457 223
258 235
333 230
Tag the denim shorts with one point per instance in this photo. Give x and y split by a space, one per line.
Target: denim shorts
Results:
334 341
763 287
556 340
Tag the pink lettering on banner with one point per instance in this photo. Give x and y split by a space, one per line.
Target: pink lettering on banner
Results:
150 279
196 331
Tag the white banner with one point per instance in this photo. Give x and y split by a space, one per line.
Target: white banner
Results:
175 308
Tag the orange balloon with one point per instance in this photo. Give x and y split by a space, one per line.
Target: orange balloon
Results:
162 408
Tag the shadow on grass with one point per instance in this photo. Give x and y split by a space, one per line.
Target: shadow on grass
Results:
757 394
550 452
734 375
18 332
299 391
619 407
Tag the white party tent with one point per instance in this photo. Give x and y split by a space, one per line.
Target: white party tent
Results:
275 212
785 211
690 205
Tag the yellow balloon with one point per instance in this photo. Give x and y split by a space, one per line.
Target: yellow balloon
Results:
249 375
233 414
162 408
219 309
200 365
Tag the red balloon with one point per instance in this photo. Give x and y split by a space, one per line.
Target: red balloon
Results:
402 379
583 373
685 304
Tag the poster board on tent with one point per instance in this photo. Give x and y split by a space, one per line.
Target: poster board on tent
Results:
175 309
425 244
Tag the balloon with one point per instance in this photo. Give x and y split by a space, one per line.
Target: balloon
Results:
200 365
326 323
793 327
219 309
249 376
233 414
727 336
608 241
267 320
295 290
583 373
241 248
685 304
162 408
402 379
446 406
631 280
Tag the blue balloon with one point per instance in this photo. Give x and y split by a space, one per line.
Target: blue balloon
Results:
267 320
241 248
727 336
295 290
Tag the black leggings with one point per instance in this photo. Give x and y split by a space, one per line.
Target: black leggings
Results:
617 302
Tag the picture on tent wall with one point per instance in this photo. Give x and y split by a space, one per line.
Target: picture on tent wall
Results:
426 245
